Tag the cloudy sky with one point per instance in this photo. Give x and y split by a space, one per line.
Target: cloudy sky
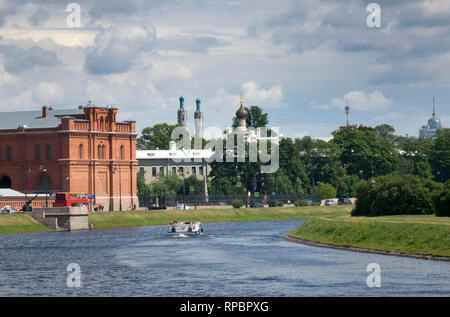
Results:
299 60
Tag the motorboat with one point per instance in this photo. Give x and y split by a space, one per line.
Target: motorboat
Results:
185 228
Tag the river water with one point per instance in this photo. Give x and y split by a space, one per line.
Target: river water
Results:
231 259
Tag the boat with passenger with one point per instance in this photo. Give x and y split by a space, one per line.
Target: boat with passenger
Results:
185 228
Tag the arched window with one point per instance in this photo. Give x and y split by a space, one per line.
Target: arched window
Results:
80 151
121 152
49 153
103 152
5 182
99 151
38 153
8 154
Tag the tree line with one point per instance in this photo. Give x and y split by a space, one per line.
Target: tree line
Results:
354 154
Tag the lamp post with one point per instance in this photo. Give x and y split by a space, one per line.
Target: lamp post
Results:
181 171
44 170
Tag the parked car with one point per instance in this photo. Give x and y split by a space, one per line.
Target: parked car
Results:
8 210
347 201
330 202
274 203
152 206
182 207
171 204
256 204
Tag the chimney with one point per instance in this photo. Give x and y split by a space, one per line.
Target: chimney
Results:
44 112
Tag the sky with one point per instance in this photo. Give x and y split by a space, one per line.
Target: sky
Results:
301 61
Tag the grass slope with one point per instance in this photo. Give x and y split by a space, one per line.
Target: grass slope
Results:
162 217
20 223
421 234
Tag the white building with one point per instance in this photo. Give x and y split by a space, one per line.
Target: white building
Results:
173 161
429 130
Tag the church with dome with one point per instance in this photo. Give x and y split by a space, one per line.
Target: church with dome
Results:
250 134
429 130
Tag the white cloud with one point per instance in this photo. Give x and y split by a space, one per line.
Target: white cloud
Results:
360 101
48 93
266 98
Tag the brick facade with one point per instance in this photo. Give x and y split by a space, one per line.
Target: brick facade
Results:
87 152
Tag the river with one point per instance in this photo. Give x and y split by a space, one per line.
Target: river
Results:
231 259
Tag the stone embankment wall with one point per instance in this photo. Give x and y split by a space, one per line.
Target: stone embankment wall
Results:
63 218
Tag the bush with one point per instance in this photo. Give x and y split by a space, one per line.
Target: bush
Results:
280 204
443 201
325 191
237 203
301 203
317 203
396 195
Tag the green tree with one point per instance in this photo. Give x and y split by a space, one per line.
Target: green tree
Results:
364 153
143 189
170 184
156 137
193 181
346 186
325 191
440 155
385 131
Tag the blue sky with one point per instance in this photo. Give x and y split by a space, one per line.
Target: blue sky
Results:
299 60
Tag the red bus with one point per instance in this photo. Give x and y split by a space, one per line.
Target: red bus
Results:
71 199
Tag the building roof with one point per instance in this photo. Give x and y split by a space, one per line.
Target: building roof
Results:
8 192
34 119
173 154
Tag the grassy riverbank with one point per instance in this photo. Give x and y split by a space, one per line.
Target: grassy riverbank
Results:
119 219
20 223
411 234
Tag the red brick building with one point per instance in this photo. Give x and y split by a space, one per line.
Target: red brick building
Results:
82 150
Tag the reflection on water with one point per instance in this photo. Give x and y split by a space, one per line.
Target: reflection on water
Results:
231 259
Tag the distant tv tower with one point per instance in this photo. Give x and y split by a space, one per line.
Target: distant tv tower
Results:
347 111
434 111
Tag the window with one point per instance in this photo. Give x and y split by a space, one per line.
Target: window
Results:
161 170
200 170
103 152
38 153
99 152
8 154
121 152
194 170
141 170
174 170
154 171
49 153
80 151
181 170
